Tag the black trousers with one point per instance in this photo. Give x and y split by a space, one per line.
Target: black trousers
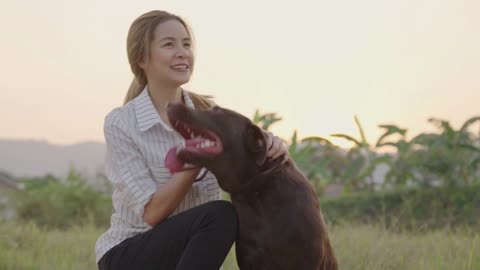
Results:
198 238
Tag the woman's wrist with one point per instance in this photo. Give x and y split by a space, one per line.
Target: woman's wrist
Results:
190 173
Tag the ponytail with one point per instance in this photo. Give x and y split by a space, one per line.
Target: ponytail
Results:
201 102
133 91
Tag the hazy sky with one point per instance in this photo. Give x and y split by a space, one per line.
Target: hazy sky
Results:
315 63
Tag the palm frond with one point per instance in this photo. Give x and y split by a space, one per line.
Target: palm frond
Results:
390 130
469 122
347 137
362 133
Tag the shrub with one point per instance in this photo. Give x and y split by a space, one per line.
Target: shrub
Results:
54 203
412 209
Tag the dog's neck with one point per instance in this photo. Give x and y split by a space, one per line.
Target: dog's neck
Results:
264 174
271 166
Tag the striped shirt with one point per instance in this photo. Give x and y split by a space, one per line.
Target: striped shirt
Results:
137 141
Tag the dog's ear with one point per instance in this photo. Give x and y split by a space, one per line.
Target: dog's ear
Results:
256 143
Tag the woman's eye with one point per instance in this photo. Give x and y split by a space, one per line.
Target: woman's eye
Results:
187 45
169 44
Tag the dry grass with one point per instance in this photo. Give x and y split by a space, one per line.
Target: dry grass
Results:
25 246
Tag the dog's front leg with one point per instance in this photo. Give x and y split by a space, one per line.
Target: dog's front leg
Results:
249 258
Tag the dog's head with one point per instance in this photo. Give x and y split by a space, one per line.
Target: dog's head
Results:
225 142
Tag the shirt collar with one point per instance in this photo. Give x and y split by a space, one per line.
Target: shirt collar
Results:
146 114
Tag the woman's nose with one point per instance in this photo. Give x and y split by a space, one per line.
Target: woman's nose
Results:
183 52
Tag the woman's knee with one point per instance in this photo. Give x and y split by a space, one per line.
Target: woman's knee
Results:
223 213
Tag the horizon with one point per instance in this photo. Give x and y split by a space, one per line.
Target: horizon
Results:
315 64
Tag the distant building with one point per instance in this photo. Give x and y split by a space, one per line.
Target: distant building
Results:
333 191
7 211
7 182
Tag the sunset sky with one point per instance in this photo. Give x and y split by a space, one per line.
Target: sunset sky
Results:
315 63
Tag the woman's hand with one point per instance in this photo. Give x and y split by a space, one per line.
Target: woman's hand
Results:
276 147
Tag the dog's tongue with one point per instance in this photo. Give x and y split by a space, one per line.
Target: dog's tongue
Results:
171 159
172 163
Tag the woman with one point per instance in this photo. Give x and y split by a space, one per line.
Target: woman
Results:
161 221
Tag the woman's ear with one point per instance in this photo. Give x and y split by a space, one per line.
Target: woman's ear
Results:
256 143
141 64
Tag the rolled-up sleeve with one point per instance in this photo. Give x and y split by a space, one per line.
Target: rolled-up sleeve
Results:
125 166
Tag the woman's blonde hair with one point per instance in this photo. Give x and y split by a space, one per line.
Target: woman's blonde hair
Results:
140 35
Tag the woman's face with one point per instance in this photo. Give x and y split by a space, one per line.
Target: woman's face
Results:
171 57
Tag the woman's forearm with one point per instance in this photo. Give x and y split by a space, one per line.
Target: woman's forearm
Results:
167 197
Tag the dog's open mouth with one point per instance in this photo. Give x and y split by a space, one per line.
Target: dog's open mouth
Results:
198 140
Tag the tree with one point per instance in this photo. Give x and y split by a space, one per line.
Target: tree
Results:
362 160
449 157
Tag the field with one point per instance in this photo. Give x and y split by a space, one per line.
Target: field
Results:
26 246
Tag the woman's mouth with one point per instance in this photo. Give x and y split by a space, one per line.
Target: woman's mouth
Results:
180 68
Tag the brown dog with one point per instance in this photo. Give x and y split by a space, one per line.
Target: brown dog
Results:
280 223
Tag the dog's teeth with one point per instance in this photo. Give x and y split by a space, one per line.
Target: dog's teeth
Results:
208 143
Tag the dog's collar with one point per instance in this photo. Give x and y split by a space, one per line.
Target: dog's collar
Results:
271 166
266 168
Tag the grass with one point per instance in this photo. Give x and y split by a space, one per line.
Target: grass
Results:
372 247
26 246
